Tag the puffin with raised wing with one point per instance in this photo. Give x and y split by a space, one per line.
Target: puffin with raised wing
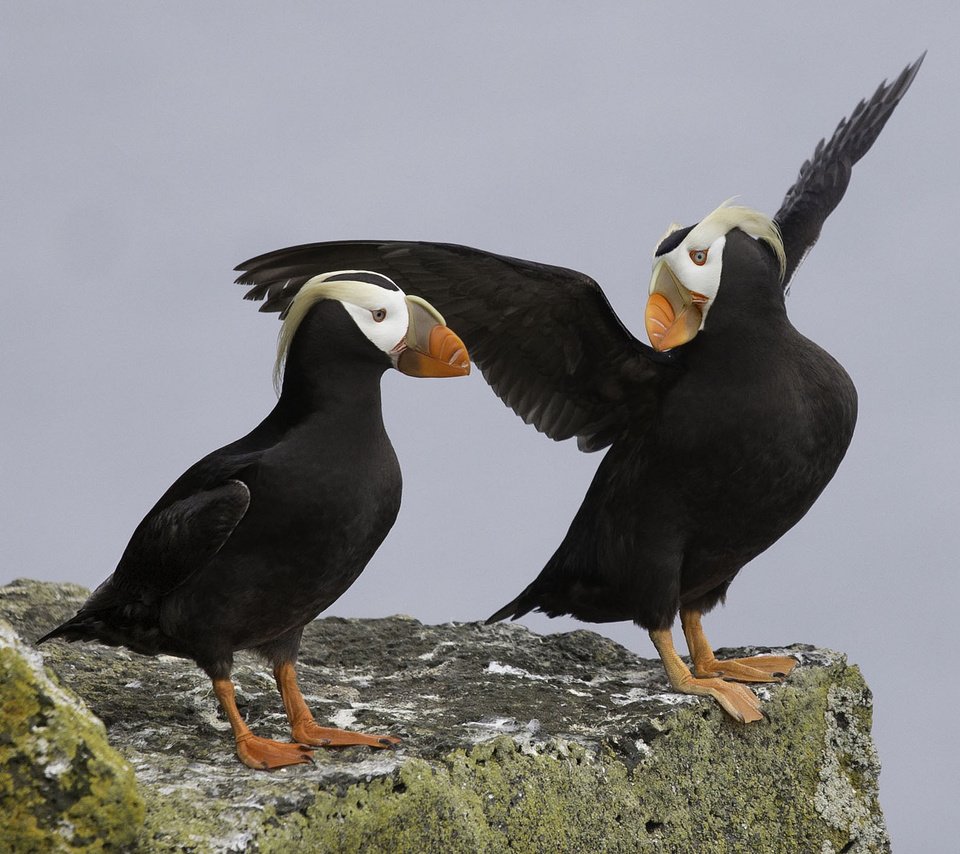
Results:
721 435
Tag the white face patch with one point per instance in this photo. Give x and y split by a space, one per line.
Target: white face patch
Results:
382 316
697 261
379 312
698 278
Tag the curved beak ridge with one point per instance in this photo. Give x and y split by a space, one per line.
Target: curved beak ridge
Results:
673 315
431 348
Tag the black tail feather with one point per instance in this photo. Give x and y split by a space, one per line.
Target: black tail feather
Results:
134 628
59 631
514 610
80 627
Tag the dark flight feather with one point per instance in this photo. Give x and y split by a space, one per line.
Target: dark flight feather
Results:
545 338
823 179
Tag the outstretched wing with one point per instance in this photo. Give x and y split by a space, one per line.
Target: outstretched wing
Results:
824 177
545 338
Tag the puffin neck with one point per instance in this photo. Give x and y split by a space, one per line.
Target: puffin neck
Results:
331 363
750 303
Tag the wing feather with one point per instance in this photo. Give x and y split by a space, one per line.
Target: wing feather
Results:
545 338
823 179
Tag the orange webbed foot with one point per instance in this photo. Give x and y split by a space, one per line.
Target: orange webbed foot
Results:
264 754
736 700
302 725
761 668
321 736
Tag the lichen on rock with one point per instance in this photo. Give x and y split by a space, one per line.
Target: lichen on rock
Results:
62 787
511 741
848 775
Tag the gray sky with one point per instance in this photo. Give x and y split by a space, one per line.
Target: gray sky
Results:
147 148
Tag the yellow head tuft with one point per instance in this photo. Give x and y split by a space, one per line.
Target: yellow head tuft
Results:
727 217
359 291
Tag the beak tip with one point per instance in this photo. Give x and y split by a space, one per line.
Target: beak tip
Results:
444 355
458 359
461 361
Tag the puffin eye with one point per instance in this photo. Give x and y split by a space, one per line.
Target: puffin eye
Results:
698 256
379 315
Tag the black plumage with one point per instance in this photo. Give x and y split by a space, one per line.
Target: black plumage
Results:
260 536
717 446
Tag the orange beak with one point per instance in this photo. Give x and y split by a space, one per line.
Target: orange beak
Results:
673 315
432 348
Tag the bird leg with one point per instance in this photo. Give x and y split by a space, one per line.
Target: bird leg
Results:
736 700
302 724
254 751
760 668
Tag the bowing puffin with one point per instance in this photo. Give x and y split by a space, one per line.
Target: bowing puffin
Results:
253 541
721 435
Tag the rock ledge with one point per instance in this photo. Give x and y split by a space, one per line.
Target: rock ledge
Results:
511 741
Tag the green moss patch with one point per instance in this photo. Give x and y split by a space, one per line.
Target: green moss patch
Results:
62 787
512 741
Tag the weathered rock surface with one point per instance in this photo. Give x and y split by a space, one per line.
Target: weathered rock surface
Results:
62 786
511 741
